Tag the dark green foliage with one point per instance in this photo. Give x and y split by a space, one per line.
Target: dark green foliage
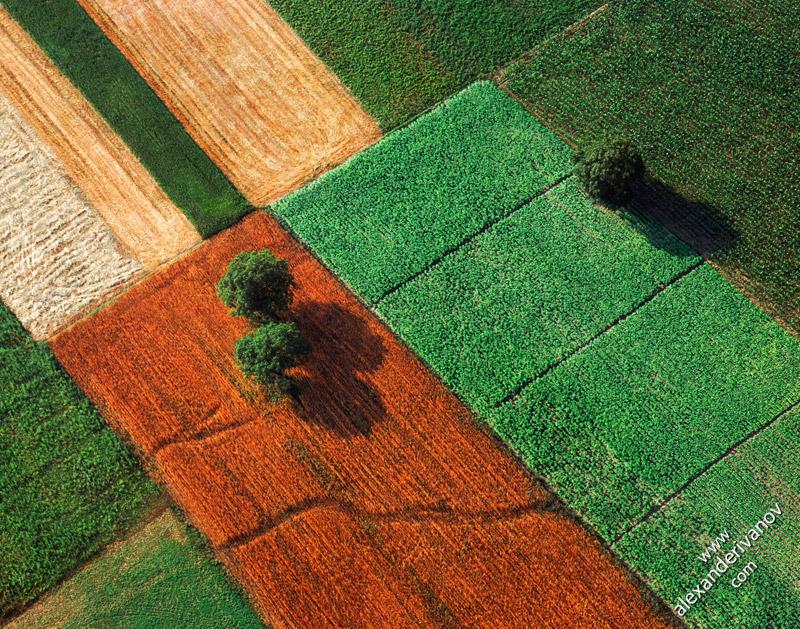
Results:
257 286
400 57
266 353
68 486
708 91
608 171
109 82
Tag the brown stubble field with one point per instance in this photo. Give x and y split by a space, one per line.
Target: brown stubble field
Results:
375 500
145 223
244 85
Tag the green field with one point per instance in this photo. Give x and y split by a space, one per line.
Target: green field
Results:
400 57
709 91
68 485
733 496
162 576
633 416
84 54
529 290
396 207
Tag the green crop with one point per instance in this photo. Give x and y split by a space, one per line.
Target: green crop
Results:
398 206
111 84
633 416
731 497
529 290
708 91
68 485
400 57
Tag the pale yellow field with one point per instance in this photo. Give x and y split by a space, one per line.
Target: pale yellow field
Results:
244 85
145 222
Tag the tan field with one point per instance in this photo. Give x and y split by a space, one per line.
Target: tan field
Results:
145 222
57 256
244 85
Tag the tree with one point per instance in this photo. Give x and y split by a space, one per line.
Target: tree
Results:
609 171
257 285
266 353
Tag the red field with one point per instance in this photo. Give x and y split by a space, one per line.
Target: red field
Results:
377 501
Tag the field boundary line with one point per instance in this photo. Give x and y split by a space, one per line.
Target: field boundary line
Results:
527 382
468 239
737 444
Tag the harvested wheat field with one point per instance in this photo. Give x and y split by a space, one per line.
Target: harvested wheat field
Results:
244 85
147 226
375 500
57 257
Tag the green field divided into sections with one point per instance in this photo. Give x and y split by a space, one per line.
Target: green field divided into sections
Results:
398 206
634 415
731 499
161 576
534 287
709 94
111 84
400 57
68 484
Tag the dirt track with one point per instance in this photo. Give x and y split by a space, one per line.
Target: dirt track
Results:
145 222
244 85
377 501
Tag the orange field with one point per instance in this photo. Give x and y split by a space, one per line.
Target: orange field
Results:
375 500
244 85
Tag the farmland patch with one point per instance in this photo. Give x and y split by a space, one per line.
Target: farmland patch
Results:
628 420
245 87
534 287
375 496
423 190
161 576
68 485
114 88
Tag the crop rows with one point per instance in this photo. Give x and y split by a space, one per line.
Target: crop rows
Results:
632 417
531 289
399 205
710 96
68 485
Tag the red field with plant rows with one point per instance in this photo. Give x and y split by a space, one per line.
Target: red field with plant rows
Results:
375 499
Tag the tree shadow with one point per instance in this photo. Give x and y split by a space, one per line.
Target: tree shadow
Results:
655 206
331 390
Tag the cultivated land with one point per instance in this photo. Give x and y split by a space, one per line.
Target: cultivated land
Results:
146 224
709 94
400 57
68 485
161 576
645 407
375 498
248 90
57 256
733 496
114 88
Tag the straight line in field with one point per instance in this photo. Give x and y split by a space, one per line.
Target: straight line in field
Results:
655 509
518 390
468 239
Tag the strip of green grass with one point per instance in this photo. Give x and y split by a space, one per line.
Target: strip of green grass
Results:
530 290
84 54
633 416
68 485
709 91
400 57
162 576
396 207
732 496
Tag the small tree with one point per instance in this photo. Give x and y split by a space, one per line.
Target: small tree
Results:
257 285
609 171
266 353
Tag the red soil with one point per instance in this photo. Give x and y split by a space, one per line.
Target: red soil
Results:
378 501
